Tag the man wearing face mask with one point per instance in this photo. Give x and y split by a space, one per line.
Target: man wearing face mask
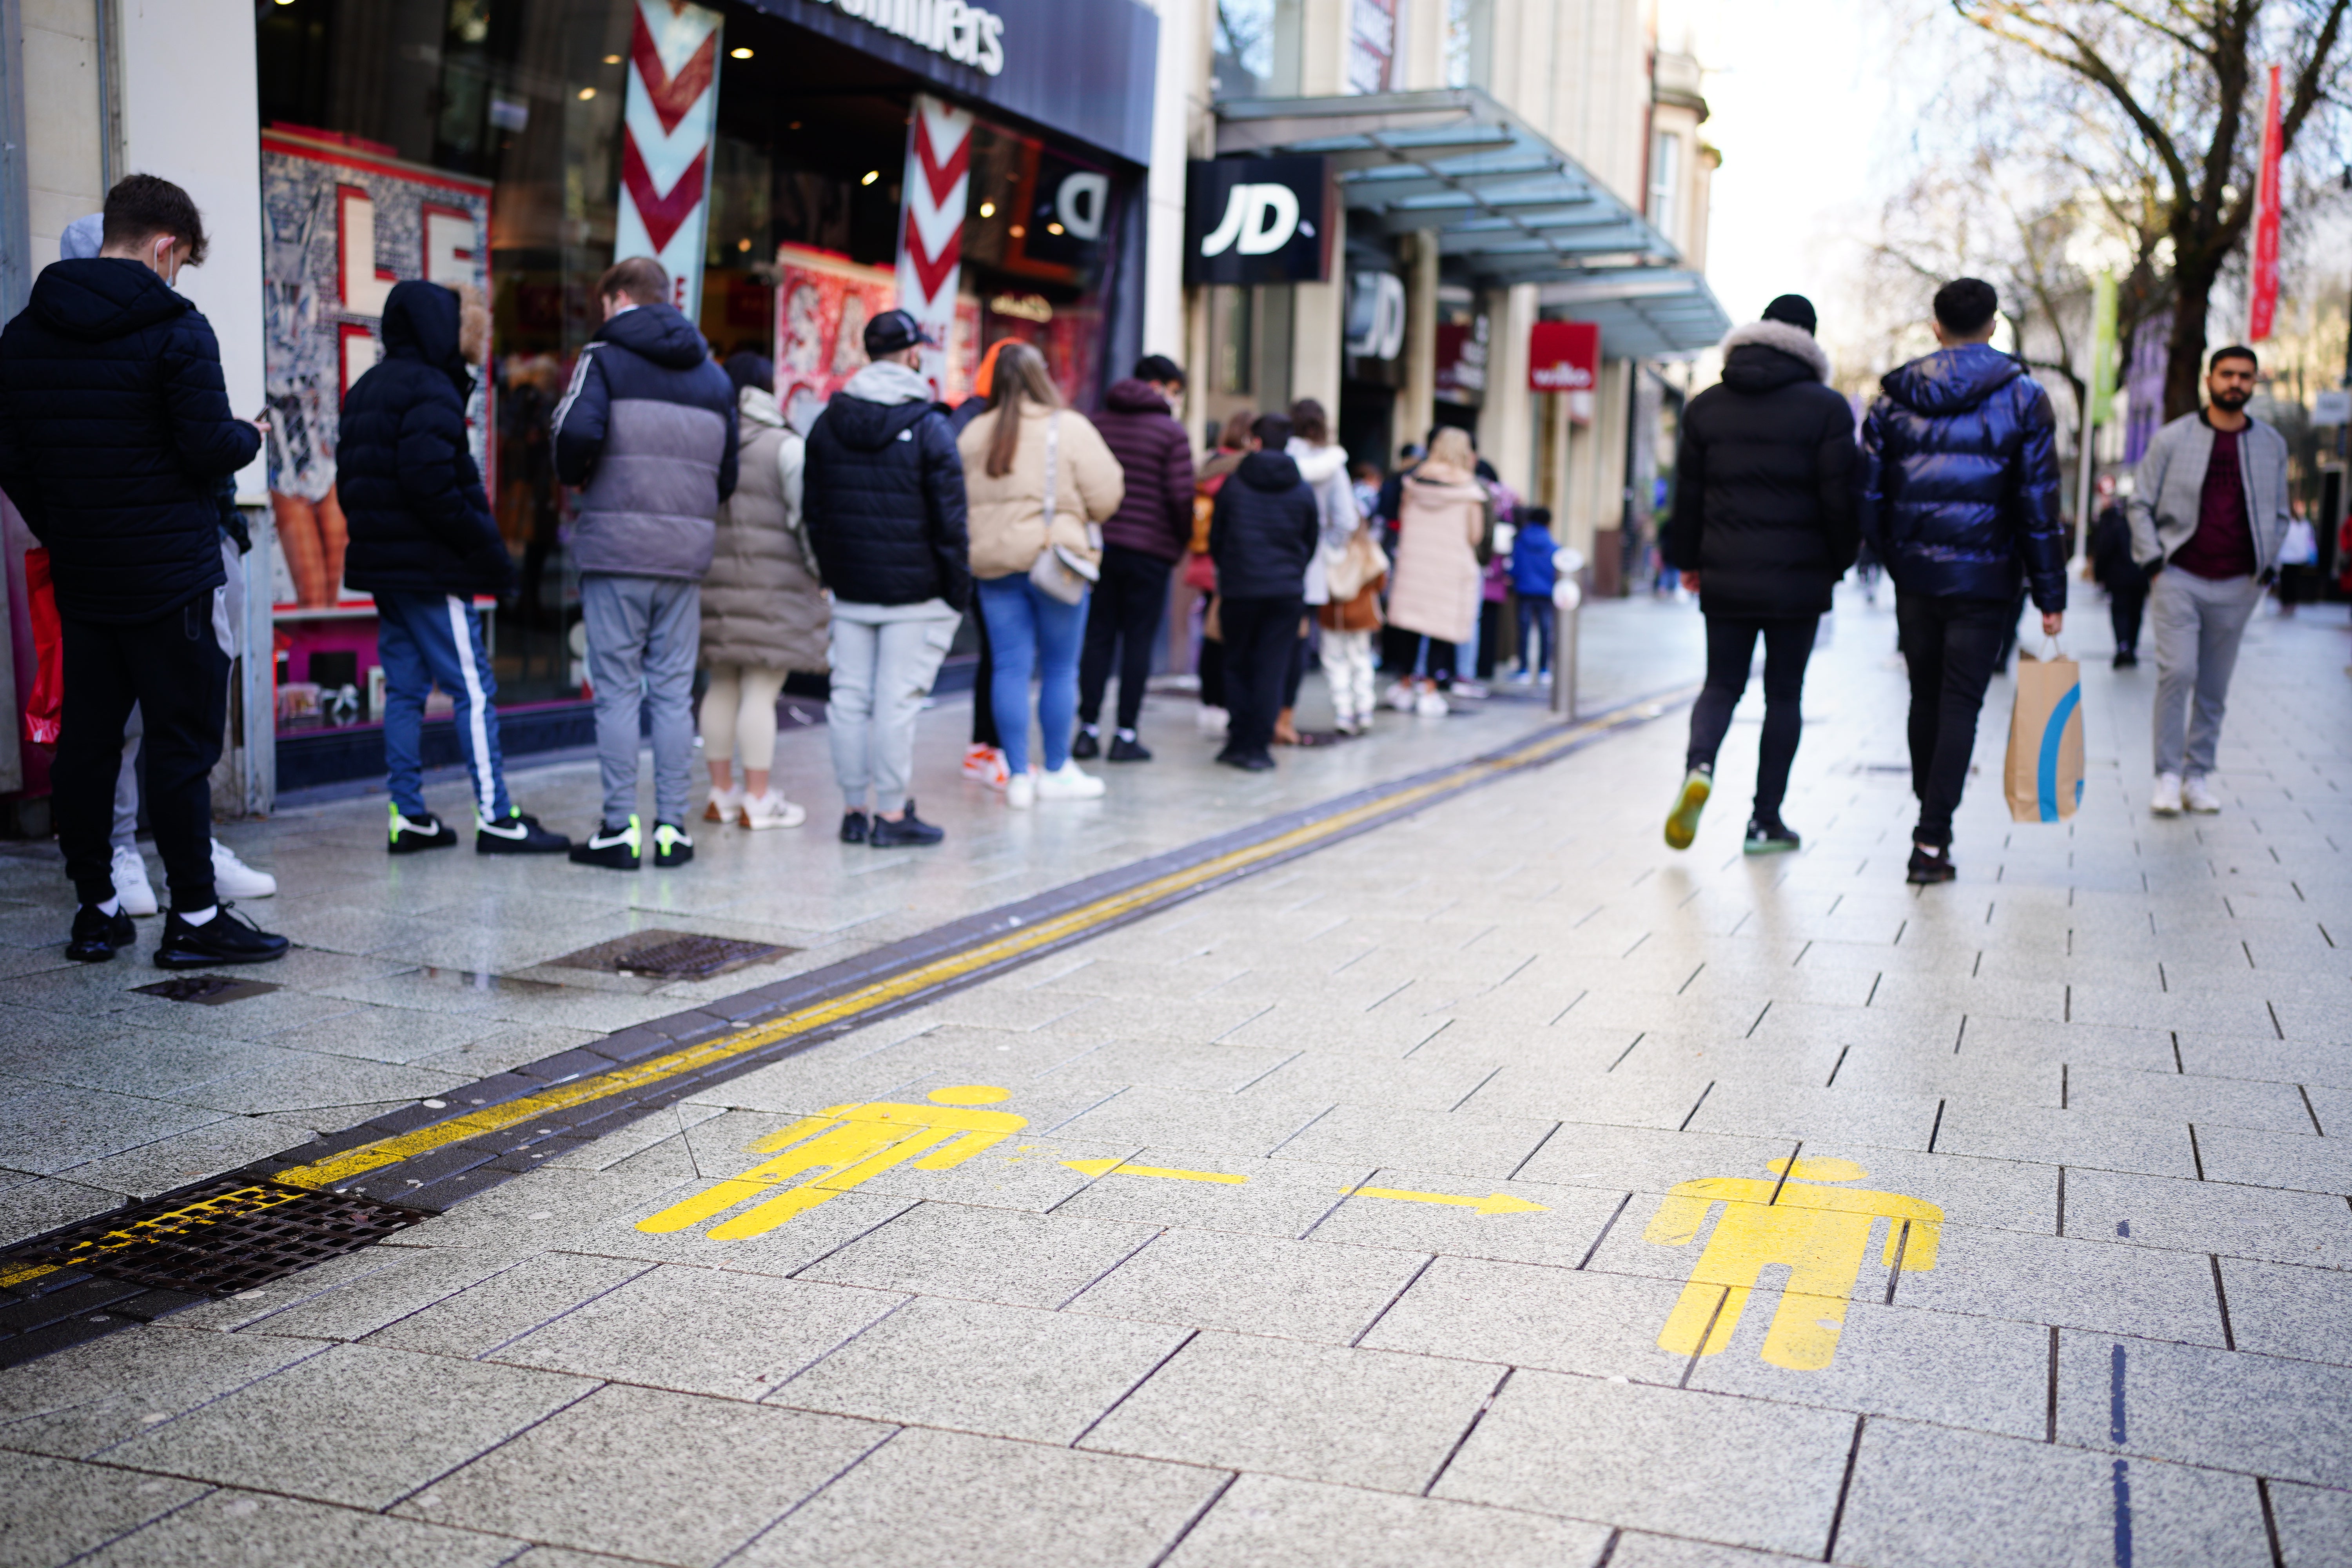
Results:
2208 511
115 436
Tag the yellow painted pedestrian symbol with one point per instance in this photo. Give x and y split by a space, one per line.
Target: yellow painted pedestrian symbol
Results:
841 1146
1820 1233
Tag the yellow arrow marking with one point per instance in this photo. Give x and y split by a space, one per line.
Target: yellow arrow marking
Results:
1106 1167
392 1150
1492 1203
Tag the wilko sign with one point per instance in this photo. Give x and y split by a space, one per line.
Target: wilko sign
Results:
1564 356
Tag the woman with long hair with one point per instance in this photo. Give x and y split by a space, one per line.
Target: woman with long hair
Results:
1026 448
1434 586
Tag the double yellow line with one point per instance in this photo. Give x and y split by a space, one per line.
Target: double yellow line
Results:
337 1169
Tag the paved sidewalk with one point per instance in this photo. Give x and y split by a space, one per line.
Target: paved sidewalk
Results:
1497 1186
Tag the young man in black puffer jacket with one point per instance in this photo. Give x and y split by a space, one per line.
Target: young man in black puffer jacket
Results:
882 494
1262 534
115 440
423 542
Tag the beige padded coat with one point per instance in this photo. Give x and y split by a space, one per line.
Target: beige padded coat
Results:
761 601
1007 513
1434 582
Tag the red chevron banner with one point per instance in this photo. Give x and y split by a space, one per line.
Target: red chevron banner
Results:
937 184
666 122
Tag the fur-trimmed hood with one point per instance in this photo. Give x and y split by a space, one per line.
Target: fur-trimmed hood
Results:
1756 357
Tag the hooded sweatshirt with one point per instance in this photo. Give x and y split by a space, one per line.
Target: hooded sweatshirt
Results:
420 521
883 496
648 428
1325 470
1763 497
115 435
1264 530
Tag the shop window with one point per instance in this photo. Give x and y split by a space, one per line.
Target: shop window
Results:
1258 45
1372 45
1469 42
1230 342
1665 175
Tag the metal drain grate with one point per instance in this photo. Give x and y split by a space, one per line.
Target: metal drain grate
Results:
211 990
224 1238
670 955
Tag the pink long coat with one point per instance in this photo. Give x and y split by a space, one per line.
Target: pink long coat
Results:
1434 586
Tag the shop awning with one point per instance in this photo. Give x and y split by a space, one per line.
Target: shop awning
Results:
1505 204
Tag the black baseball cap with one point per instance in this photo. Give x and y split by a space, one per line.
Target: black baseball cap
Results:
894 330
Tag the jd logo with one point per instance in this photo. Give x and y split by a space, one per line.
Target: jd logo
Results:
1259 220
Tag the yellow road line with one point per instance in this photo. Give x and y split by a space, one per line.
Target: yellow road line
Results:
1113 1167
1492 1203
18 1274
392 1150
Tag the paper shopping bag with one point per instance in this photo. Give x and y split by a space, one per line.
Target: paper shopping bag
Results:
2045 740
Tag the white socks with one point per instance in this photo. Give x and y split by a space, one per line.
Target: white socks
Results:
201 916
111 907
1127 734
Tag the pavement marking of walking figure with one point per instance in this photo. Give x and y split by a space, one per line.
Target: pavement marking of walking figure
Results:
840 1147
1821 1233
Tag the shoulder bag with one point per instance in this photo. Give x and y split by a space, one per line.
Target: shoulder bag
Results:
1060 571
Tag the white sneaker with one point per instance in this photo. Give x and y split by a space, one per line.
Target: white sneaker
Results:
1402 695
725 806
233 879
1430 705
1068 782
2198 796
1021 791
771 810
2166 802
130 883
1470 688
985 765
1523 677
1212 720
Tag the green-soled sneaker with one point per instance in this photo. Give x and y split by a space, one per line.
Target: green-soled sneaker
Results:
1769 838
1682 823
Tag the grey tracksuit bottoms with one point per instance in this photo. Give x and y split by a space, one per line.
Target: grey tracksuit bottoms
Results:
2199 624
643 636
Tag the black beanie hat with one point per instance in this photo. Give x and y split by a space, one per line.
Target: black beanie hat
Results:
1795 310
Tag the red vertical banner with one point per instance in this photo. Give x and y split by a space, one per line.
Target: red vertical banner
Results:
930 240
668 121
2266 224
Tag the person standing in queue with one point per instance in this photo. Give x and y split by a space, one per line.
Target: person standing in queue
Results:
1763 528
1142 541
1263 533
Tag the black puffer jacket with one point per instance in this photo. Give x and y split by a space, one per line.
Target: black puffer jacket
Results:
1264 530
882 495
116 436
1959 480
1763 479
420 521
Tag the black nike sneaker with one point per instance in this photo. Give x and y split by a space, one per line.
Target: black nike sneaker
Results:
411 833
98 936
672 847
615 848
852 827
227 938
1769 837
1124 749
1086 743
1929 867
518 832
909 831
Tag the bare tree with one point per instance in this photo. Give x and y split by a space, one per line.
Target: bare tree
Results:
2175 82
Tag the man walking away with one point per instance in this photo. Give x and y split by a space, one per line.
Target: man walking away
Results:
1763 530
1959 499
883 495
648 428
115 440
1261 534
1142 541
2209 510
2113 567
423 542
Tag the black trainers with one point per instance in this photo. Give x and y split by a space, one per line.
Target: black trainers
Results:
1086 744
227 938
98 936
909 831
519 834
1769 837
1248 762
1124 750
1930 865
672 846
852 827
615 848
411 833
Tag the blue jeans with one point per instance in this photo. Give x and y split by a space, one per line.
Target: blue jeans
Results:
1027 630
424 641
1536 623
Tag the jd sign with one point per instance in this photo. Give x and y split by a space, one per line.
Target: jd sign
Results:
1255 220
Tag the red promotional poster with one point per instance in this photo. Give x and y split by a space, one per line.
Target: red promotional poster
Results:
823 301
2266 224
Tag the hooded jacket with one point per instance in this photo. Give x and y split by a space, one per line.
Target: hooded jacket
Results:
1763 479
1325 469
115 437
1155 517
1264 530
762 604
648 429
1433 584
1959 480
883 494
420 521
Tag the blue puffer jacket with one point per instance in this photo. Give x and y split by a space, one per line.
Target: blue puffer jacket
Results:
1959 480
882 494
419 519
116 437
648 429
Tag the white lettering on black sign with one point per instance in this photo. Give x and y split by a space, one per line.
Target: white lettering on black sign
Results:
965 33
